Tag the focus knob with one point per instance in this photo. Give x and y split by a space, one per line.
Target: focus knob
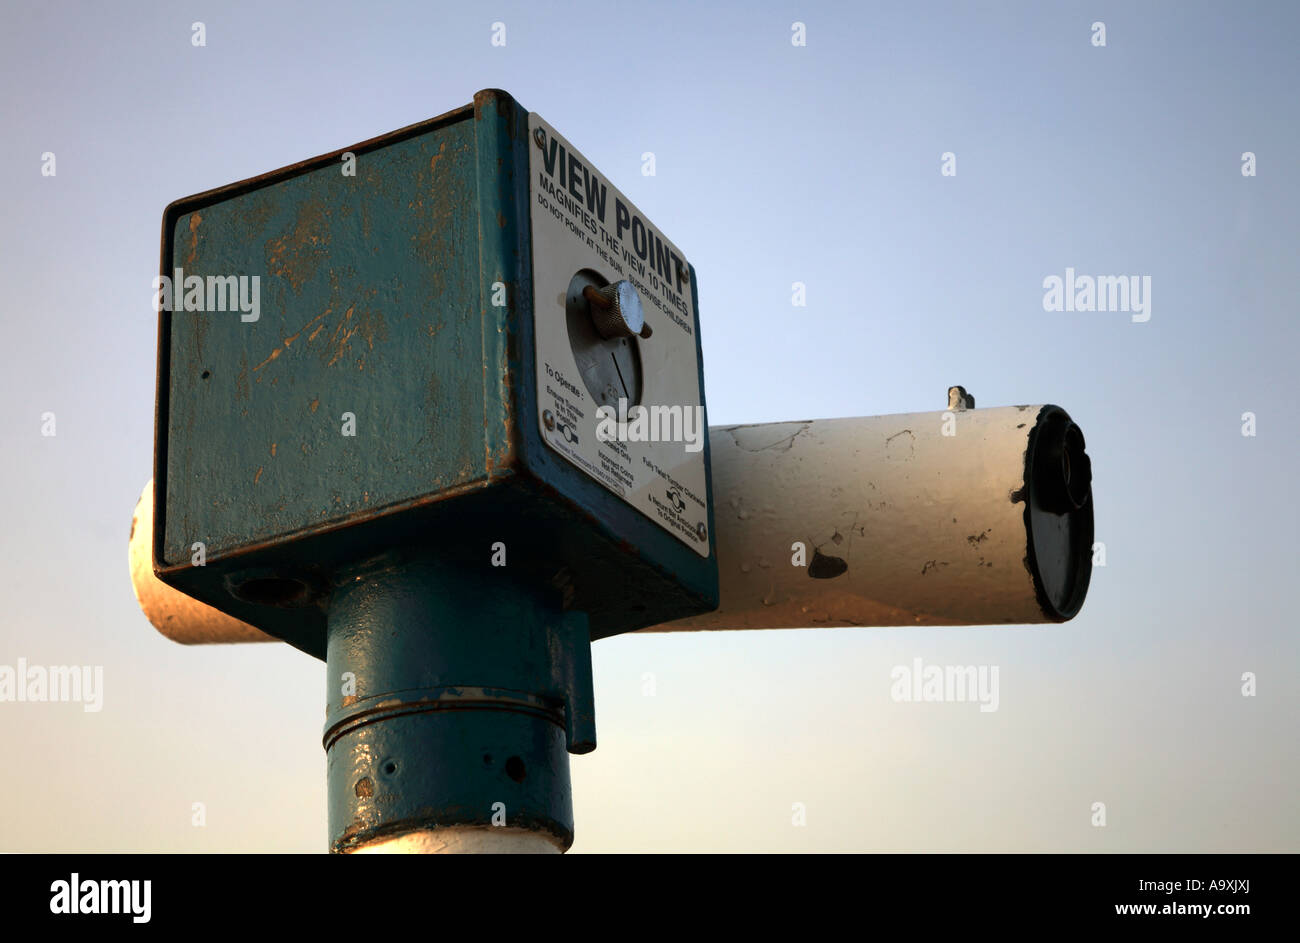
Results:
616 310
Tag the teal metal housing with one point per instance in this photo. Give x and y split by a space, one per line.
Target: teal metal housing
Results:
377 304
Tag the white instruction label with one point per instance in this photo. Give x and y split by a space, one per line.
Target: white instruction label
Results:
624 409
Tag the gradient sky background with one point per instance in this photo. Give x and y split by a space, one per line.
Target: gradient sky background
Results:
775 164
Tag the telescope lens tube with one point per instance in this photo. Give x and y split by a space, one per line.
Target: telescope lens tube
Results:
450 691
1062 472
1058 514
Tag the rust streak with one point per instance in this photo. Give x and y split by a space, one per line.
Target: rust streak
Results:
287 341
275 353
195 219
342 346
433 161
319 317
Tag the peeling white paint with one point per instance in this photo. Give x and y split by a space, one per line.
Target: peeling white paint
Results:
927 531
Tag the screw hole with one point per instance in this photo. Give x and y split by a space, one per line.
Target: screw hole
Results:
515 769
206 374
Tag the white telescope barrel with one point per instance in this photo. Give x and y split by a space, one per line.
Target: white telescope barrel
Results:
180 617
963 517
959 517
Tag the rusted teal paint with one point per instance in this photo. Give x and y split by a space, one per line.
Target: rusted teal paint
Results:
369 306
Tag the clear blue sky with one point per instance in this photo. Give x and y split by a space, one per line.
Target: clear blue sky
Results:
775 164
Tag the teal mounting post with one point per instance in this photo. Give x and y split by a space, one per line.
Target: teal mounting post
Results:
454 697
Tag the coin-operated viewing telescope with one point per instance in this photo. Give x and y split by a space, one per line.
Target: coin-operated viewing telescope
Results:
432 408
